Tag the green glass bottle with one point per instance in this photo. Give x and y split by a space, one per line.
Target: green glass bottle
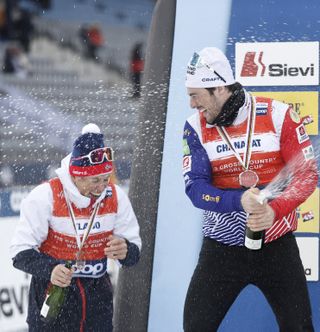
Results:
54 300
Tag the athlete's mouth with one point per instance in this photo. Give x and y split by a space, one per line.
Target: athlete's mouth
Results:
95 194
204 111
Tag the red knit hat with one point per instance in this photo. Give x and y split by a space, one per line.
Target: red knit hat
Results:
90 156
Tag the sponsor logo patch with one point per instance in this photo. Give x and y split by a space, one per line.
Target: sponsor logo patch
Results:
186 149
308 153
261 108
187 180
208 198
187 132
294 116
191 70
210 79
301 134
92 269
195 59
186 164
307 119
307 216
237 145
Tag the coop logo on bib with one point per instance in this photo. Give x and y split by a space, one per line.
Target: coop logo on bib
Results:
92 270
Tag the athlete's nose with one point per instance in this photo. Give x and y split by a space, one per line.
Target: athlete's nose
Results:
101 186
193 103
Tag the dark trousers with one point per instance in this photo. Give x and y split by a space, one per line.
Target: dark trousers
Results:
88 306
223 271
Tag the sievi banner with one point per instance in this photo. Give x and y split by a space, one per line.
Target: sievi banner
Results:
277 63
14 284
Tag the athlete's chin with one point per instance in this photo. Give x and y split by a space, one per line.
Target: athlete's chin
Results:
209 119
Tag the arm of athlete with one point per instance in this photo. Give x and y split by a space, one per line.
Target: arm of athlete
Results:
31 231
301 169
297 152
125 243
197 174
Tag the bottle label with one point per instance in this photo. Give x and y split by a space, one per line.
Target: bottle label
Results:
253 244
45 308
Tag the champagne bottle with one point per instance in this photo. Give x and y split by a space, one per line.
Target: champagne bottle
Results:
54 300
254 240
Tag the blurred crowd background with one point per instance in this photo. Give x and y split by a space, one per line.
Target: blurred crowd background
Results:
65 64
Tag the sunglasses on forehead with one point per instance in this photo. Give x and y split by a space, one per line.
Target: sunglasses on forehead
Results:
98 156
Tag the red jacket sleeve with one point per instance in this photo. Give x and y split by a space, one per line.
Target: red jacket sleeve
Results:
301 167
